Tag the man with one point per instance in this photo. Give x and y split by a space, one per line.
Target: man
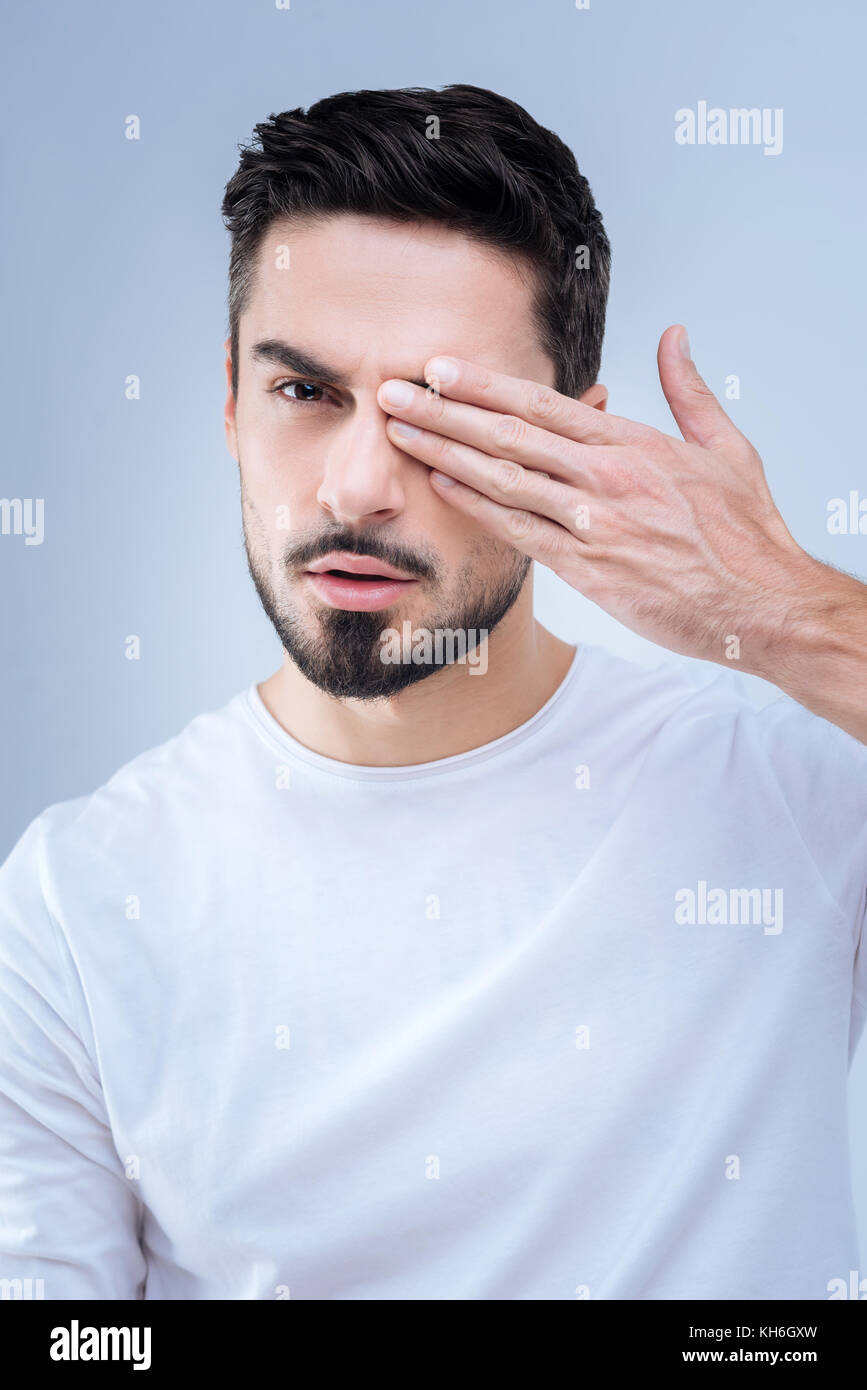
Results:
453 961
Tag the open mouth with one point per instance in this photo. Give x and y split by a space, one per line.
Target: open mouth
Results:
360 578
363 592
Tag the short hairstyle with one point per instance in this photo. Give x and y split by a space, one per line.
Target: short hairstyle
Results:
484 167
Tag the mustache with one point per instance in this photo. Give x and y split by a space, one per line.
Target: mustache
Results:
303 550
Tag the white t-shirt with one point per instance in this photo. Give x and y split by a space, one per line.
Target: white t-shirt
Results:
569 1015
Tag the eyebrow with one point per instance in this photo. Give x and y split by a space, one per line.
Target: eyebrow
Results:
281 354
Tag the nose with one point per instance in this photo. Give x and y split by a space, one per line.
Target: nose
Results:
363 476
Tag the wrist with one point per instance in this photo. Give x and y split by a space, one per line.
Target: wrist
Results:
814 643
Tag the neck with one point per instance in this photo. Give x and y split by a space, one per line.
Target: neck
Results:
450 712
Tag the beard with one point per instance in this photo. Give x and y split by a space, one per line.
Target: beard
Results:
341 651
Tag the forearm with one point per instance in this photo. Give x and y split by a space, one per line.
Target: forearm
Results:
818 652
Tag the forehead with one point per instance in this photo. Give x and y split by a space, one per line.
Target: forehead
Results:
371 293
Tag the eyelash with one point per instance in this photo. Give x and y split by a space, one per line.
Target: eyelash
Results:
295 381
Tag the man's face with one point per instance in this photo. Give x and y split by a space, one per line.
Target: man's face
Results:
362 300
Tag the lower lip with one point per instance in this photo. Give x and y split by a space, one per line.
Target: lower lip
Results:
364 596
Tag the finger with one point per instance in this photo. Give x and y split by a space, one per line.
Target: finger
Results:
501 480
700 417
538 405
535 536
500 436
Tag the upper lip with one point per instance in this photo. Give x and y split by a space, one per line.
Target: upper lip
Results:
355 564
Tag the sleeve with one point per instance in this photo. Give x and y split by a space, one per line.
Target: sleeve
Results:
822 771
69 1220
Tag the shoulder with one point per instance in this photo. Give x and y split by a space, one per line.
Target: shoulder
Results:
714 736
696 725
668 699
154 799
704 699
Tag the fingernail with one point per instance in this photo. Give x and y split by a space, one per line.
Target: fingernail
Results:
441 479
402 427
396 392
443 369
684 345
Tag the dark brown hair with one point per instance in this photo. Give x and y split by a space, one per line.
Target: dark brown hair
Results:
484 167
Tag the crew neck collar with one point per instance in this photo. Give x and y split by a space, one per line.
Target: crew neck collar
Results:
273 732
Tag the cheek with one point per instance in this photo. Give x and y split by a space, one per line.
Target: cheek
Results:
272 505
277 474
491 560
472 563
271 445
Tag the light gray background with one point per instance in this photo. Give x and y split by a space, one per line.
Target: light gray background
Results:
115 263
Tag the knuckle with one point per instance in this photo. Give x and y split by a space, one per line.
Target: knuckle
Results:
509 476
508 431
542 402
624 476
519 524
638 436
443 447
559 549
700 390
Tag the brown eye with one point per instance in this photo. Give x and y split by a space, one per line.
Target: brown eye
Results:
302 392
